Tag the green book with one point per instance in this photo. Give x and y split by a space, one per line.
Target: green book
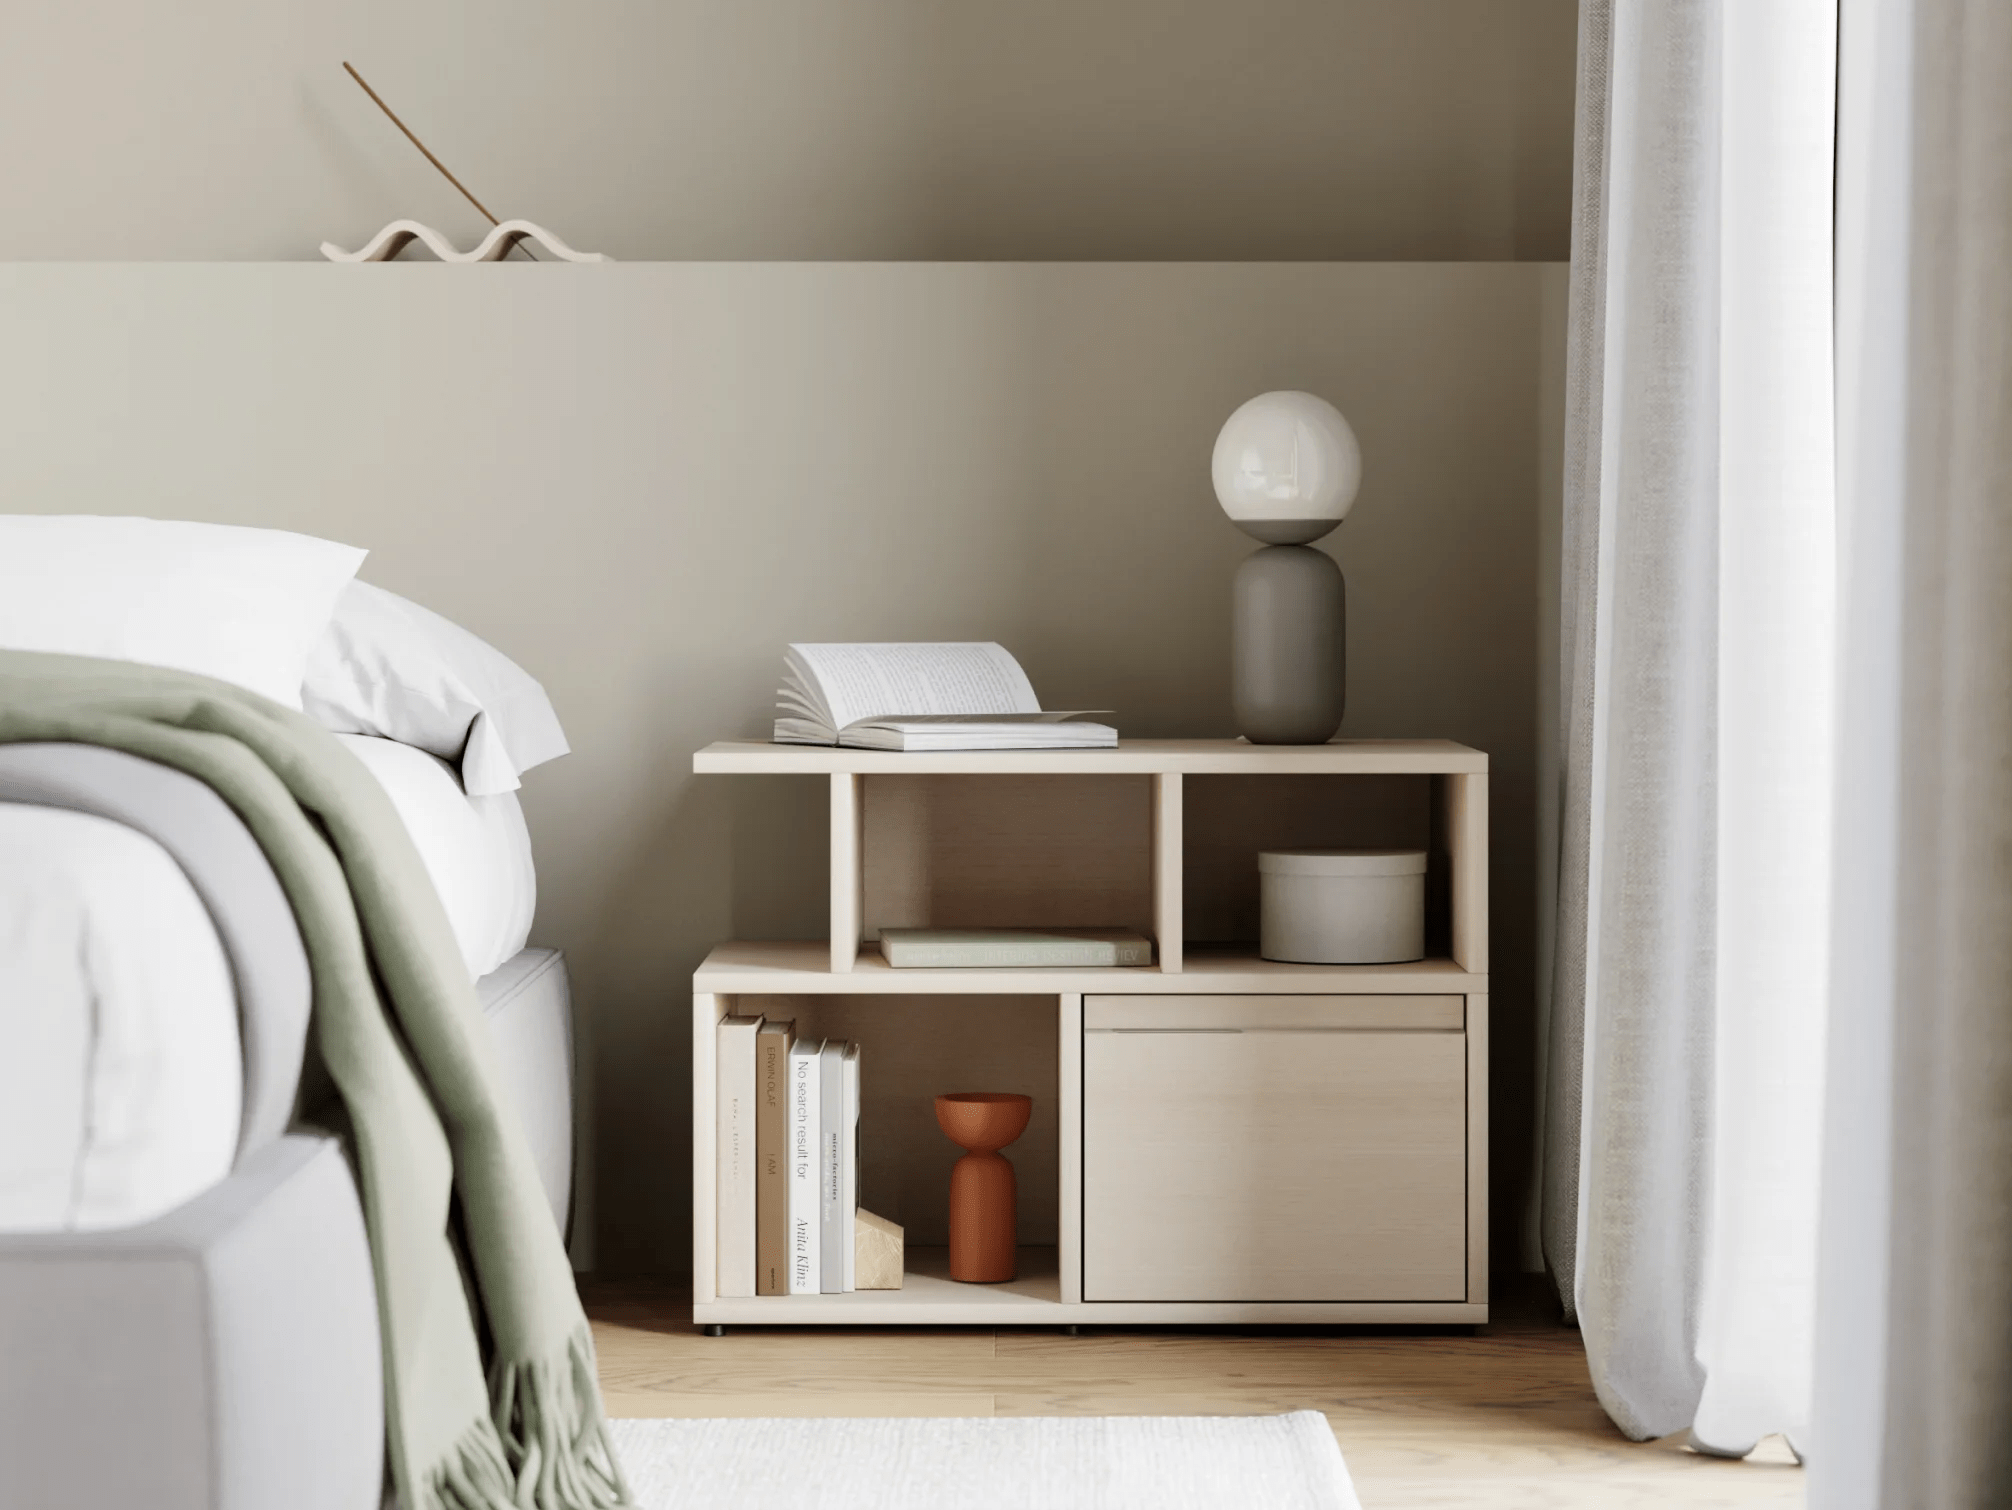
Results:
1013 948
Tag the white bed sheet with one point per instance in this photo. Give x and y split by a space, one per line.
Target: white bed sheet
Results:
121 1072
121 1066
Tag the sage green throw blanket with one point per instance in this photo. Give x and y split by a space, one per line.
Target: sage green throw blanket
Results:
396 1023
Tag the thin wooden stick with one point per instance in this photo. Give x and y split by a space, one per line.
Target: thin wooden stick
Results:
379 102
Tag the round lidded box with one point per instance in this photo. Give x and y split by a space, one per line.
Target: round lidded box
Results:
1341 906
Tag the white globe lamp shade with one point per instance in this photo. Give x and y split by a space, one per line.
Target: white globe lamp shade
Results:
1286 467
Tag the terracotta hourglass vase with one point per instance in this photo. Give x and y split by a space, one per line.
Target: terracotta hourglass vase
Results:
984 1192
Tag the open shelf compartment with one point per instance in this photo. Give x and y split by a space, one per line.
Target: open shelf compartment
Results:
1002 850
913 1047
1157 836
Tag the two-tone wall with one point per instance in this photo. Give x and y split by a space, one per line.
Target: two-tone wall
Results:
642 481
780 129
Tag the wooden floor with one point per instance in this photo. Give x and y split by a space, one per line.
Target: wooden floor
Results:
1501 1419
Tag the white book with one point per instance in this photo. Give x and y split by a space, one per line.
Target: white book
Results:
734 1109
921 697
1013 948
848 1197
831 1167
805 1273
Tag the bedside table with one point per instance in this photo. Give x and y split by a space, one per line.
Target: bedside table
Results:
1218 1137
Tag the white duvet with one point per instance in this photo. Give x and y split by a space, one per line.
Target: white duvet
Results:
120 1078
121 1069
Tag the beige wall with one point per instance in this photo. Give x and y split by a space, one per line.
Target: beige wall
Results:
746 129
641 481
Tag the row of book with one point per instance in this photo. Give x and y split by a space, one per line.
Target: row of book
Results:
788 1192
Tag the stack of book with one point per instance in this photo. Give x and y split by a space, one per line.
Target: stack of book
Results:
788 1160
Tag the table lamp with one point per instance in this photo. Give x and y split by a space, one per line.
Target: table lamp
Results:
1286 469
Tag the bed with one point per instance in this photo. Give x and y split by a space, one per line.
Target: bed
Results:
188 1313
122 1062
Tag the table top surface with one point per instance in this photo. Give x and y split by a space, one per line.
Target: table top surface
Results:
1341 757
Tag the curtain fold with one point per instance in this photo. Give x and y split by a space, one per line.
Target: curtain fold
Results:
1915 1338
1685 1038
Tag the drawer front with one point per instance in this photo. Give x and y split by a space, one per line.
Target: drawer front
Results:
1281 1164
1213 1014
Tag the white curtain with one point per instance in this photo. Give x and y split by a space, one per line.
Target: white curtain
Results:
1686 1025
1914 1348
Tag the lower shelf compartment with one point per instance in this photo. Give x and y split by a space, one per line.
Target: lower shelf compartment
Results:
926 1286
930 1297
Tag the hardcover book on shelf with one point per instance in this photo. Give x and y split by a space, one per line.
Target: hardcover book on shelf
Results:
734 1110
805 1122
1013 948
772 1157
834 1230
921 697
848 1197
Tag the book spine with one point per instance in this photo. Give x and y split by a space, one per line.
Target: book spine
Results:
830 1167
804 1122
734 1127
848 1201
772 1159
1133 952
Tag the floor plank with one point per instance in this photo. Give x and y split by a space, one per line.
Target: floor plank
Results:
1505 1418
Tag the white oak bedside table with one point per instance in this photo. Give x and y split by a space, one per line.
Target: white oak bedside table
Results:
1218 1138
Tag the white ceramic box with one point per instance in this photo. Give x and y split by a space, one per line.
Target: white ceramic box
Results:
1342 906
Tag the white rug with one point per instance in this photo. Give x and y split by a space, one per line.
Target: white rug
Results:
988 1463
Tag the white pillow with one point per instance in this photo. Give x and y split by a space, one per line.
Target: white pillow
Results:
476 849
388 667
242 605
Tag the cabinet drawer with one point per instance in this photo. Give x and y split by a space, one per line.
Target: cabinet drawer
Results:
1216 1014
1284 1164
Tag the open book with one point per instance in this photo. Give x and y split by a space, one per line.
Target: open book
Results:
921 697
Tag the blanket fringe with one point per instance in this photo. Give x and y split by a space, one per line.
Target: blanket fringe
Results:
474 1477
545 1448
554 1434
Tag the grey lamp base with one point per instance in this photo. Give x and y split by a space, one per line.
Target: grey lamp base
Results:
1288 646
